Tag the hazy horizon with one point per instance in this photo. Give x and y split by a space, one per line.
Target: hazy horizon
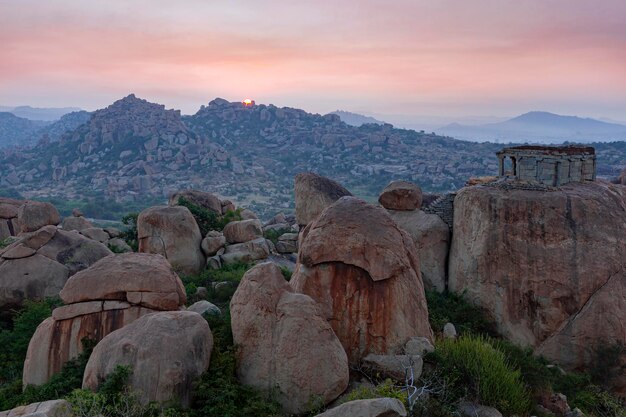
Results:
445 59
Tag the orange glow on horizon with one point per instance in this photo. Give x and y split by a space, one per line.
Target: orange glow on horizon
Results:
248 102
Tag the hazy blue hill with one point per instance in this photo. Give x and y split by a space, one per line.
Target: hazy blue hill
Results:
18 131
542 127
355 119
45 114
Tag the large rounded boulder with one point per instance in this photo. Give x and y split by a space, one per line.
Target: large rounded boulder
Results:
548 265
401 195
363 270
33 215
285 346
166 352
172 231
199 198
313 194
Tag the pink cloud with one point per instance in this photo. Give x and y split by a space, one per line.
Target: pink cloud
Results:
411 54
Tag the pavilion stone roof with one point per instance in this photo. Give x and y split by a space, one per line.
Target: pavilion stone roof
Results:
569 150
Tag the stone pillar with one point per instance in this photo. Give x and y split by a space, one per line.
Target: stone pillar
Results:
501 165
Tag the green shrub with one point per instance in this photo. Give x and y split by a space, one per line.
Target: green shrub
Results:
273 234
533 369
473 369
5 242
114 398
130 233
208 220
590 398
286 273
15 338
218 393
231 274
454 308
63 383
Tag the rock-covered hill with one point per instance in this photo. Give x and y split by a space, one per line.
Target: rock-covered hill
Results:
133 150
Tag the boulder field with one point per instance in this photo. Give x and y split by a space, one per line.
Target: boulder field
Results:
549 266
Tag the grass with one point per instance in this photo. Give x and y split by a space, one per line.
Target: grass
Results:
475 370
230 274
583 390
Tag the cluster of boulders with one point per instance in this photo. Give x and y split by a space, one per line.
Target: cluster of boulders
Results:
109 236
22 216
537 261
173 232
110 294
287 228
37 264
130 305
355 299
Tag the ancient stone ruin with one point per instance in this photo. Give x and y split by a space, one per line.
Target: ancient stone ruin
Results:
548 165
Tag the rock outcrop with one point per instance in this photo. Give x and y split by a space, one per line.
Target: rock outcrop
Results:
76 223
38 264
200 198
24 216
313 194
33 215
109 295
9 225
363 270
243 231
52 408
253 250
432 239
548 266
166 351
376 407
401 195
172 231
285 345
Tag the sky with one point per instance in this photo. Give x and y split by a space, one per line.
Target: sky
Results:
445 58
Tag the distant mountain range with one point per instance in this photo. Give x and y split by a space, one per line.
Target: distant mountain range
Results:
355 119
539 127
37 113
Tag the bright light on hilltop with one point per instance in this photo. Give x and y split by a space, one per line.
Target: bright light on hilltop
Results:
248 102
